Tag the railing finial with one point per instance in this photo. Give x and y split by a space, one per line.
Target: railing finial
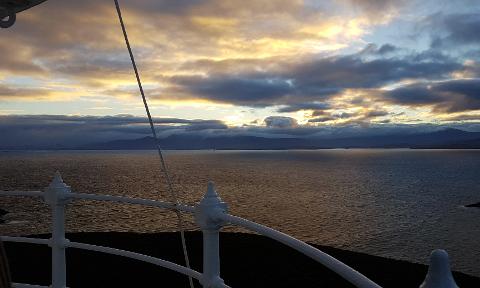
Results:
439 274
57 177
57 191
211 192
208 216
211 197
57 196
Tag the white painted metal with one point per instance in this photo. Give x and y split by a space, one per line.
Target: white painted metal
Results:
25 240
138 256
127 200
439 274
205 217
56 195
21 285
333 264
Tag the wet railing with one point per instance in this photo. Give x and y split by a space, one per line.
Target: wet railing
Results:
210 215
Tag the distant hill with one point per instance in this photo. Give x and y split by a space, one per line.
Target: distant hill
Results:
448 138
468 144
453 138
184 142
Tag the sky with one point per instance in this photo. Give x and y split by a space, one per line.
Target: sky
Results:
273 68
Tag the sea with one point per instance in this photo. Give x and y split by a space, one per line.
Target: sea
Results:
395 203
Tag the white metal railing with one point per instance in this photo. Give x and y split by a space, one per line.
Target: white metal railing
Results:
210 215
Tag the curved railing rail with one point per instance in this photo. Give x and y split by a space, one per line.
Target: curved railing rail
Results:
23 285
211 215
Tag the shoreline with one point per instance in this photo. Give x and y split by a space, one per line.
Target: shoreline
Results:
247 260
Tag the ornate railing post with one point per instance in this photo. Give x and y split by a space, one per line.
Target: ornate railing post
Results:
439 274
206 216
56 195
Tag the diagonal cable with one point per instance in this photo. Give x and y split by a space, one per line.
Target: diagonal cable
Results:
163 166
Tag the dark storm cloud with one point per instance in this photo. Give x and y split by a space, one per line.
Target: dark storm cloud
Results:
322 119
433 55
292 82
303 106
446 96
373 49
202 125
116 120
354 72
386 48
376 113
351 118
319 113
249 90
456 29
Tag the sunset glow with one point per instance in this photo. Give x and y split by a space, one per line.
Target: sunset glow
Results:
337 63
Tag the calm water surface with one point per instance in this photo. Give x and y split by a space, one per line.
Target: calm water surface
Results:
394 203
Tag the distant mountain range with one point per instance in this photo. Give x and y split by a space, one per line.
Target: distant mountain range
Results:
443 139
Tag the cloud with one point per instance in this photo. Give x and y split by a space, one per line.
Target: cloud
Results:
377 11
319 113
287 55
378 5
322 119
386 48
62 130
17 59
464 117
373 49
202 125
445 96
455 29
376 113
294 82
280 122
92 66
59 131
352 71
345 118
86 50
249 90
189 29
303 106
15 92
343 115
